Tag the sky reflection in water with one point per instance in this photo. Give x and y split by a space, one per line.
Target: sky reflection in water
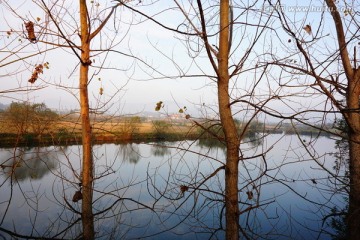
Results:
42 177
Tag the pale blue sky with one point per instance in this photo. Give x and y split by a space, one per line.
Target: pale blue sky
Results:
138 87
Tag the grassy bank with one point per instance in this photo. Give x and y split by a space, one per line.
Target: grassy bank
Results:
69 133
126 130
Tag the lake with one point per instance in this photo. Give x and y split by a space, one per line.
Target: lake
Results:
168 190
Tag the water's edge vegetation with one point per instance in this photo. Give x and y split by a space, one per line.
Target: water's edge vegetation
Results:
61 138
25 124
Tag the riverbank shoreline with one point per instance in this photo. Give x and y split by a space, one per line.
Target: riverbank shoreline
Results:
134 130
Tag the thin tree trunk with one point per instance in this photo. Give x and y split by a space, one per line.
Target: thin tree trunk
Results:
229 128
87 164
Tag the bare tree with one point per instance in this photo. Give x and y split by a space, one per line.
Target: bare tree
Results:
321 54
56 32
226 43
207 29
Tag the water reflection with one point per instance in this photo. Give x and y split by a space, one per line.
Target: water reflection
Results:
211 143
167 193
28 163
253 141
129 153
160 149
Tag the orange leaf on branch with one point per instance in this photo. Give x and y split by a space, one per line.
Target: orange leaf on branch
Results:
34 76
30 30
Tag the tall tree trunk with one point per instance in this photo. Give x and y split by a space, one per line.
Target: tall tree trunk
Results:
87 164
229 128
353 119
353 218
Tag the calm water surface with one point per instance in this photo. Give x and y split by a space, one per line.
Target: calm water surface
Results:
156 192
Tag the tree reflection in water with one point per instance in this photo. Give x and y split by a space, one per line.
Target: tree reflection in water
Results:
129 152
160 149
164 195
28 163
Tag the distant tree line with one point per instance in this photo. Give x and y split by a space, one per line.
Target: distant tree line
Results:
23 118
